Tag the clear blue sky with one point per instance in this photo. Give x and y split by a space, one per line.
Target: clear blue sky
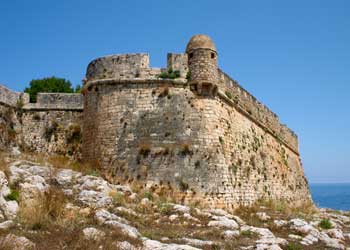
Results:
294 56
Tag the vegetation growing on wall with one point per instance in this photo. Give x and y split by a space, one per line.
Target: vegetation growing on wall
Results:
171 74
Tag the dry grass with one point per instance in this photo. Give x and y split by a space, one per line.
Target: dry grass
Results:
63 162
3 162
276 209
45 211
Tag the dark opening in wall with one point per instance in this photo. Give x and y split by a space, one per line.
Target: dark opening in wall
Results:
191 55
212 55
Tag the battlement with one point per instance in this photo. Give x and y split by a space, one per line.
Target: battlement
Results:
133 66
12 98
45 101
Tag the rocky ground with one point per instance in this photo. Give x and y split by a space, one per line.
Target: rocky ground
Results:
50 207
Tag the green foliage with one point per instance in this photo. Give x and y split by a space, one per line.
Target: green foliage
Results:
228 94
171 74
94 172
293 246
13 195
49 84
188 75
164 208
325 224
77 88
247 233
183 186
234 168
118 198
148 195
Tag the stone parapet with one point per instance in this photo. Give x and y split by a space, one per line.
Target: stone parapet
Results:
12 98
56 101
256 110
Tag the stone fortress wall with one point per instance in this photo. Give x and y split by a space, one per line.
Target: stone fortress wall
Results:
12 98
136 67
200 133
51 125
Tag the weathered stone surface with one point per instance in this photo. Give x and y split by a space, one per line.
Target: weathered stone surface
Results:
91 233
222 221
156 245
14 242
6 224
204 135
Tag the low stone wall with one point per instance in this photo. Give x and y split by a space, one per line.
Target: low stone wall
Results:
56 101
51 125
12 98
53 131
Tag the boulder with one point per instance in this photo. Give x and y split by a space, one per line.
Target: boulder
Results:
91 233
156 245
14 242
222 221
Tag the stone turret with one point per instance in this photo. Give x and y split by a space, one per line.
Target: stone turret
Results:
202 63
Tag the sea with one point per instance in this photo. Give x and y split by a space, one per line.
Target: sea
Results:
331 195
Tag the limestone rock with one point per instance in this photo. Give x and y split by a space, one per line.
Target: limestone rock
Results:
106 218
14 242
9 208
229 234
181 209
145 202
280 223
156 245
66 177
263 216
15 151
197 242
124 245
126 229
222 221
4 189
301 226
173 217
94 199
91 233
335 233
6 225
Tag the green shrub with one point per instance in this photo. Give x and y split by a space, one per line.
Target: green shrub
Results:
293 246
164 208
49 84
148 195
13 195
188 75
183 185
325 224
171 74
228 94
247 233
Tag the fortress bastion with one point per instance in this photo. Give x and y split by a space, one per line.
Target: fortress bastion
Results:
189 127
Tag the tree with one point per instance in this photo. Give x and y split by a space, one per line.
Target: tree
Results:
50 85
